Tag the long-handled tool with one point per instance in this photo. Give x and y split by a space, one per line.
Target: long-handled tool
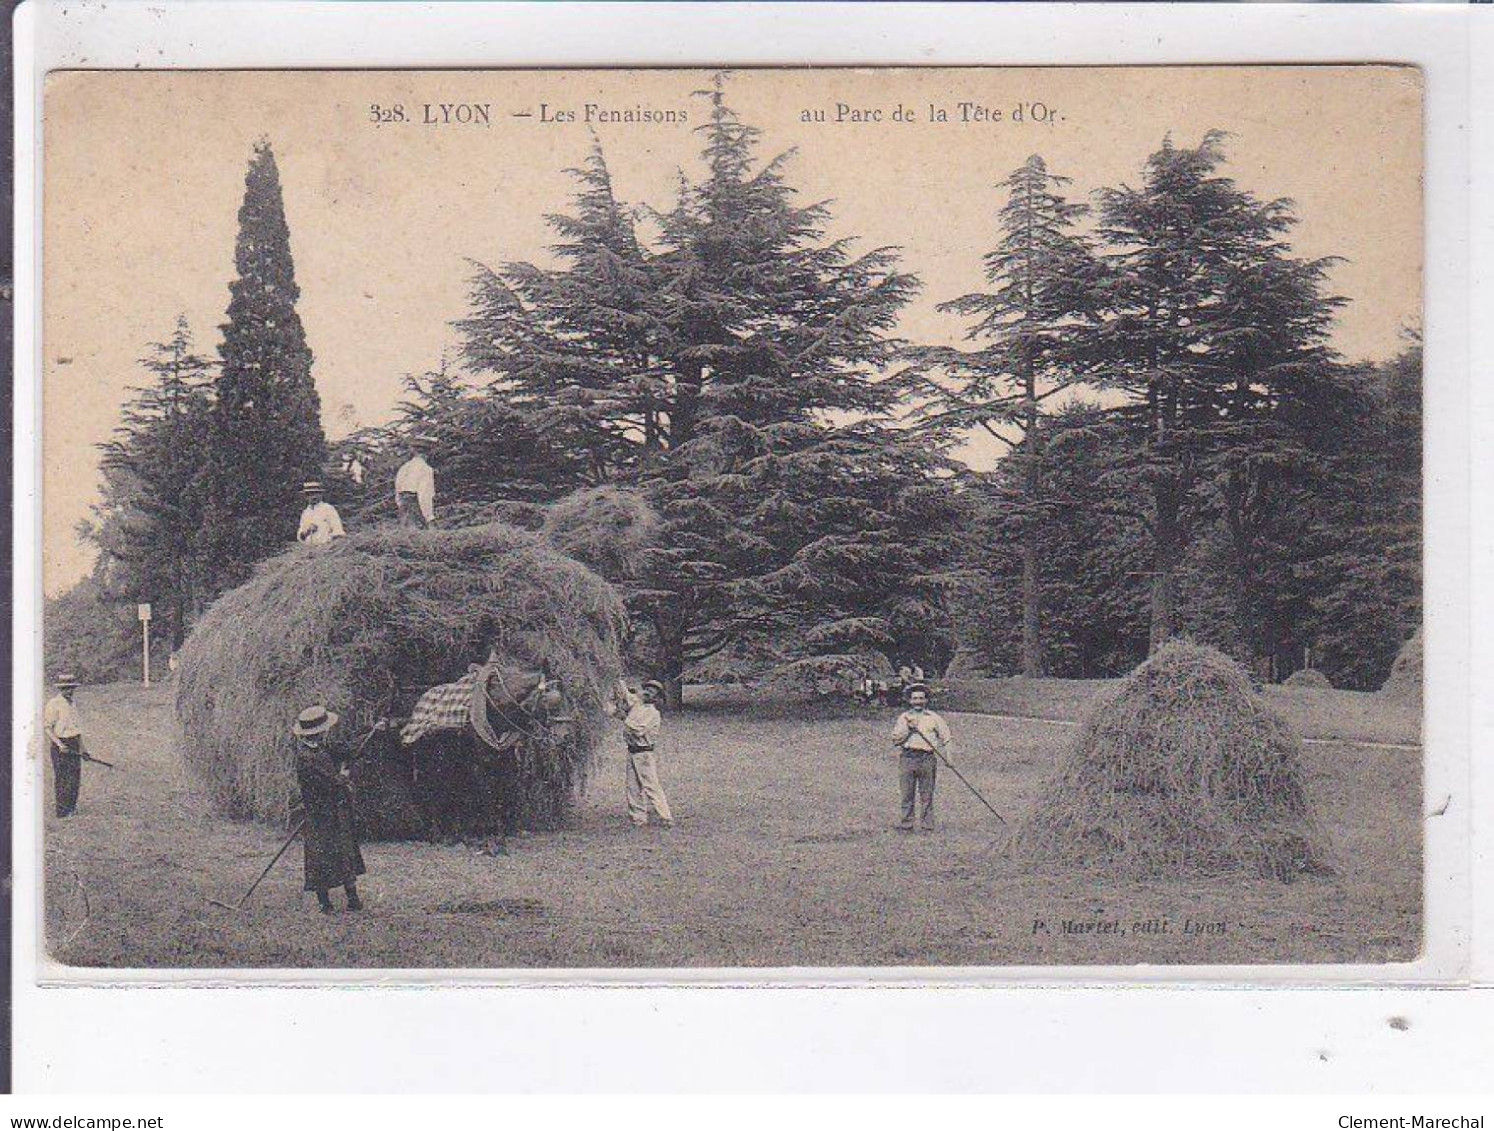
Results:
963 779
295 832
85 756
940 755
239 906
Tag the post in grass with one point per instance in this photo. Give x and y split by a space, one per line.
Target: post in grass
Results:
144 611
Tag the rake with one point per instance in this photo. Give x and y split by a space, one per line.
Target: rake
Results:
239 906
295 832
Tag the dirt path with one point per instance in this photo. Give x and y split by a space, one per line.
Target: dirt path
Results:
784 855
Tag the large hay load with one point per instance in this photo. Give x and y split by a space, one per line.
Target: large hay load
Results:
1182 770
1403 684
365 625
1310 678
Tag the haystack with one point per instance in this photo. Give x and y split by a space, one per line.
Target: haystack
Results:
1309 678
365 625
606 528
1182 770
1403 684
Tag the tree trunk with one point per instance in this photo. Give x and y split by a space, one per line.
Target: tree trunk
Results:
686 404
671 629
1167 545
1032 582
1032 596
1254 604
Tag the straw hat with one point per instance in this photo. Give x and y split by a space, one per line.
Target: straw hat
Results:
66 679
313 721
312 487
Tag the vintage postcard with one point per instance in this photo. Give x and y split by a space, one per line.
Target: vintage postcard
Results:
747 519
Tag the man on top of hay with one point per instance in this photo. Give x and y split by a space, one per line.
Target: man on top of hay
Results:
320 522
415 486
333 858
922 737
641 724
60 721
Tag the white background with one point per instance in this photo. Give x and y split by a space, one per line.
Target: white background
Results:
991 1036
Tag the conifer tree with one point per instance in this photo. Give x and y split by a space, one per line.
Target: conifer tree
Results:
702 367
267 434
1045 289
577 348
1214 332
148 526
491 459
1094 606
1361 566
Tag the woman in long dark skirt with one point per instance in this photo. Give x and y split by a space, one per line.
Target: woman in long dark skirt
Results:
332 855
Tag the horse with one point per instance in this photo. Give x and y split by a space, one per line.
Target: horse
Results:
465 765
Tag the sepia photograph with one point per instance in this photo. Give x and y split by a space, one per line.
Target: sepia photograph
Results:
686 520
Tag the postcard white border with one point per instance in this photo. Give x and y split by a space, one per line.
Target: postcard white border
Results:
496 1009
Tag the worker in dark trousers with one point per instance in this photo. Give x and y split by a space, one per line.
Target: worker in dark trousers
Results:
922 738
65 736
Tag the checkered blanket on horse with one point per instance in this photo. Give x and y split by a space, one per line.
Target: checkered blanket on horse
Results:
469 701
447 706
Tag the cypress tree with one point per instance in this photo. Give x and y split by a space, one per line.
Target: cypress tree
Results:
266 431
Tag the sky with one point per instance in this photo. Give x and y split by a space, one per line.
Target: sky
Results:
395 182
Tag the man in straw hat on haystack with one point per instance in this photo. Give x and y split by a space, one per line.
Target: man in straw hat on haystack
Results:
415 485
641 724
332 855
320 522
65 735
921 737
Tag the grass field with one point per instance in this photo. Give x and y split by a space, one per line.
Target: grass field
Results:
783 855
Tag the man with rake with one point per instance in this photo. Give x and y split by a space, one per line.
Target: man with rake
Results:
922 737
65 736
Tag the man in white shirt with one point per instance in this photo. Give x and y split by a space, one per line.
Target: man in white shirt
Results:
320 522
415 487
641 725
65 736
921 737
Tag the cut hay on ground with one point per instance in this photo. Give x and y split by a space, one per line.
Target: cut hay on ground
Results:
1182 770
365 625
1403 684
1309 678
606 528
